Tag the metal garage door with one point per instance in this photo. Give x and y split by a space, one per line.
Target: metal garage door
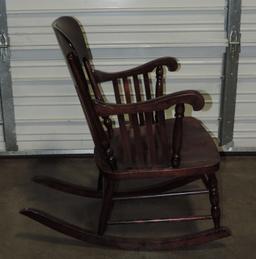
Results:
121 34
245 120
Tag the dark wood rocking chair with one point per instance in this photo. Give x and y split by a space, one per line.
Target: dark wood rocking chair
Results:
144 145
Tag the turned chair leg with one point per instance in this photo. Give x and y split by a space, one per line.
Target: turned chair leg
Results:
214 200
100 181
205 180
106 206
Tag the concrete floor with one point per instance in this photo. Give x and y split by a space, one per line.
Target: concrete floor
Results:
23 238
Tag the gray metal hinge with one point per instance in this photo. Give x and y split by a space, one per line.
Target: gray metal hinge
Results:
234 41
4 44
3 40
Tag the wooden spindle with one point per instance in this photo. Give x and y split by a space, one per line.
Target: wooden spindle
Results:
150 138
147 86
138 144
164 139
147 90
121 120
177 134
136 151
127 90
138 96
127 93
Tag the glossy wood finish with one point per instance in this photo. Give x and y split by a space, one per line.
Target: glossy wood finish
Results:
170 62
126 243
192 163
169 220
177 134
106 206
143 144
193 98
214 199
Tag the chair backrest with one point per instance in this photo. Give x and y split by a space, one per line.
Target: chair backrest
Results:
87 80
78 58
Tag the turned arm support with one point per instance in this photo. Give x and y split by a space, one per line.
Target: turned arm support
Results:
159 104
194 98
177 136
170 62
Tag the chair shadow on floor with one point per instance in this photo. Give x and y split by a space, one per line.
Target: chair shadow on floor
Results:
70 206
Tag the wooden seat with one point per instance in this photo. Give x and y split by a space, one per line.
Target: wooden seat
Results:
137 137
194 157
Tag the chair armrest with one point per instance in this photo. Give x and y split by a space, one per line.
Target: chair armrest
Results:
194 98
170 62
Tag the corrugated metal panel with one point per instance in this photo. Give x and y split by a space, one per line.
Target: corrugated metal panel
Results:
121 34
5 103
2 143
245 123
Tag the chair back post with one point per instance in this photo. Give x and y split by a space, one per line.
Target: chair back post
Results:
77 54
89 70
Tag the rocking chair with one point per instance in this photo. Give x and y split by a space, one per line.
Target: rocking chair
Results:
145 144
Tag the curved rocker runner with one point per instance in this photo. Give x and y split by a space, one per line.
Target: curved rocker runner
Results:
125 243
145 144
